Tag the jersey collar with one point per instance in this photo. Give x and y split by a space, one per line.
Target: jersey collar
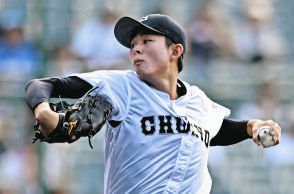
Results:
181 88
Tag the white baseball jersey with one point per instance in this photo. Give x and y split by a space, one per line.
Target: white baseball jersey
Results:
161 145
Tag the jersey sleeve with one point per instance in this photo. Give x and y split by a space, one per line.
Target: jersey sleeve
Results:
215 117
115 86
214 114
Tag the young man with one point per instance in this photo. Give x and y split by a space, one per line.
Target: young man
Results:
159 132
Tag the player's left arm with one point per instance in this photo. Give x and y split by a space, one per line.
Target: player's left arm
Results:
233 131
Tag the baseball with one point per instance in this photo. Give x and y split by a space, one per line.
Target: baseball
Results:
265 137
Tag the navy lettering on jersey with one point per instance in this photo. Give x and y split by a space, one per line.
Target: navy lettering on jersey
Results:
166 126
197 131
206 138
147 125
182 126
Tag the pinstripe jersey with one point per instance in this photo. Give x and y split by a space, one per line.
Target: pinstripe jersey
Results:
161 145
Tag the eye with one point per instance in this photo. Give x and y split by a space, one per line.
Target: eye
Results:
132 45
146 41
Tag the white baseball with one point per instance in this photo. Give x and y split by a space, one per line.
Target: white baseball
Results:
266 139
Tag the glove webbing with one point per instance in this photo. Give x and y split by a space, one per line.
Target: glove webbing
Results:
93 103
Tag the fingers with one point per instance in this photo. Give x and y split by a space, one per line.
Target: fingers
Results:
275 130
255 126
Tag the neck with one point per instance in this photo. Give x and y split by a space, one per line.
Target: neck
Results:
168 86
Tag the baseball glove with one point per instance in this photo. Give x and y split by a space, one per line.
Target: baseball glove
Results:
82 119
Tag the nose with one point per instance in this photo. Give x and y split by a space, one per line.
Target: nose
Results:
137 49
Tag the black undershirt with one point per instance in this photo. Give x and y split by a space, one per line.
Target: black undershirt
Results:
231 132
41 90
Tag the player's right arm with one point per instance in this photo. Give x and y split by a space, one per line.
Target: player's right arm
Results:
233 131
39 91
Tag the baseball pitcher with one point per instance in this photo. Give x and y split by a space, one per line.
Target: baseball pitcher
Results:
158 128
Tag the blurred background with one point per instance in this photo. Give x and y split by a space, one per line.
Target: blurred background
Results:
239 52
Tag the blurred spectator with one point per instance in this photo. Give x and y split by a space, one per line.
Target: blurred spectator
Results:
56 168
95 43
19 170
18 157
62 172
208 36
256 39
19 58
266 103
64 62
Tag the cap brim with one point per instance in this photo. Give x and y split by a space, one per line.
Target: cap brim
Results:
125 27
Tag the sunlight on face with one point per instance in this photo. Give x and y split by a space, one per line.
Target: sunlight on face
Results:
149 56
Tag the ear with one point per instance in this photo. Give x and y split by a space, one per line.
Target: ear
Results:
178 49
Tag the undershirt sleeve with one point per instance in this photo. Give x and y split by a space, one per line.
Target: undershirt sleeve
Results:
231 132
41 90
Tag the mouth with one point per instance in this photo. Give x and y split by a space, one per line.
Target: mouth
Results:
137 62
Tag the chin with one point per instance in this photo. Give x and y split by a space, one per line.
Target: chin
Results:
139 73
141 76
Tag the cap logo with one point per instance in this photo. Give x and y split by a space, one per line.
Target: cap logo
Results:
144 18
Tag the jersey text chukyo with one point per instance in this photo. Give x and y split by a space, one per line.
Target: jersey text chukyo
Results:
165 125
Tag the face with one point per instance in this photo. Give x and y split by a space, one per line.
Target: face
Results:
150 56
